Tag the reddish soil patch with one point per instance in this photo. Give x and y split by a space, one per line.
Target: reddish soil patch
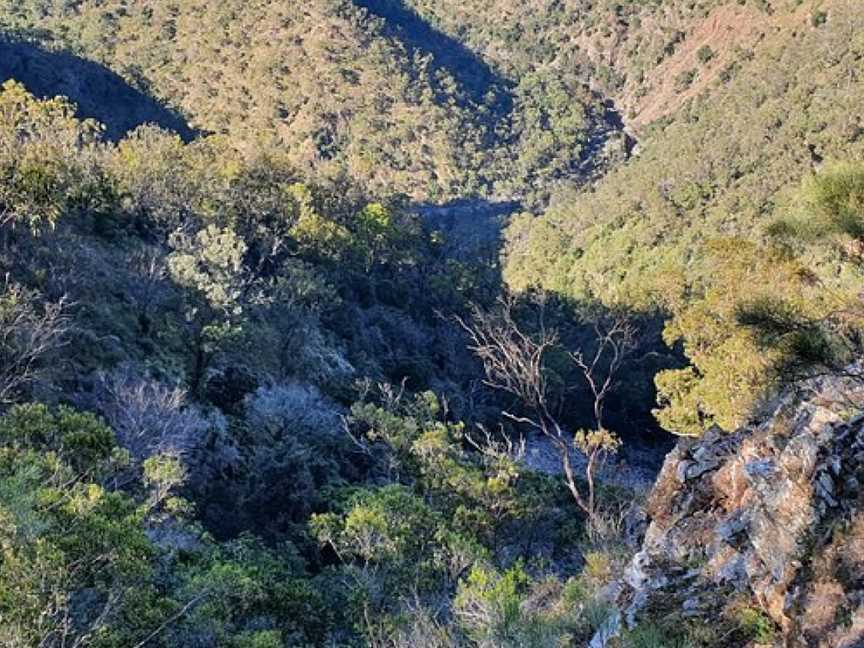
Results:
726 31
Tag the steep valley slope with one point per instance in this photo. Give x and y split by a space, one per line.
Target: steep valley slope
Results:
258 392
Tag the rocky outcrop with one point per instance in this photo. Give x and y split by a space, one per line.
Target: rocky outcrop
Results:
772 515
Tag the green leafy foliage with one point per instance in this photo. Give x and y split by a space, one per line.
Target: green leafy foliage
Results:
227 303
62 532
324 84
646 238
41 144
729 371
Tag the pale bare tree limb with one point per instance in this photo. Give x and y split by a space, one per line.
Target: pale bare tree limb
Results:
513 362
29 332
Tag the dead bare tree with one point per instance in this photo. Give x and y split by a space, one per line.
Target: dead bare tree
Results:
615 339
148 416
149 288
29 331
513 361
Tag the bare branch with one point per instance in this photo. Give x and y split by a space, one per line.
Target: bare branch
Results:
495 448
513 361
148 416
615 340
29 332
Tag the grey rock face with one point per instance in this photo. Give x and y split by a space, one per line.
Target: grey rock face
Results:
772 512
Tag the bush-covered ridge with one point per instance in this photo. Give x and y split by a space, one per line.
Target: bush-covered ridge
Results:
319 80
254 399
336 89
730 162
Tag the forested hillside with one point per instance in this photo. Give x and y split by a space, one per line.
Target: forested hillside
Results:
317 79
629 51
370 323
337 89
681 228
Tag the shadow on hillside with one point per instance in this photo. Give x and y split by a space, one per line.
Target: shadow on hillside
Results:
472 229
98 92
471 72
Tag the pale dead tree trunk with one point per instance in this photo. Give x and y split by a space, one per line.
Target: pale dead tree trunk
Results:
615 339
28 333
513 361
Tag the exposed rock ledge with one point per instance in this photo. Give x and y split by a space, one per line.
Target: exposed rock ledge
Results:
773 514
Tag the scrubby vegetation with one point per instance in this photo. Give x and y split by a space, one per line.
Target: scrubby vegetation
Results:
684 228
252 394
334 88
216 456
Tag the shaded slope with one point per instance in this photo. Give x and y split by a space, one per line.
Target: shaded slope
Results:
321 83
449 54
98 92
372 89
